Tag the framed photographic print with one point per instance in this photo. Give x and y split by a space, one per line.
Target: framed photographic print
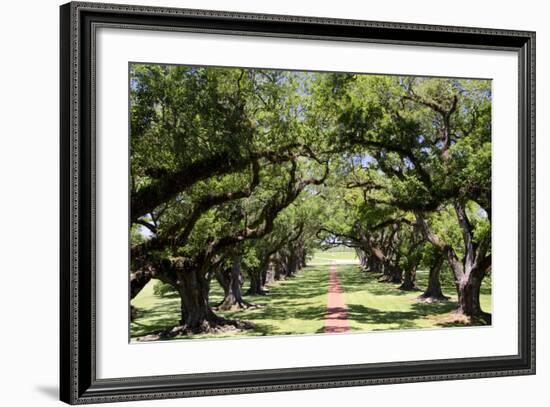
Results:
256 203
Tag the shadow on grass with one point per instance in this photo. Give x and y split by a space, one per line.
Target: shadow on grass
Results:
318 313
364 288
150 324
407 319
289 298
164 313
298 305
353 280
366 315
356 280
302 297
441 307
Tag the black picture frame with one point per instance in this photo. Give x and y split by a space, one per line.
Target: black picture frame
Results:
78 382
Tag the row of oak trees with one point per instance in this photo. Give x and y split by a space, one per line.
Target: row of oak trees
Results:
243 172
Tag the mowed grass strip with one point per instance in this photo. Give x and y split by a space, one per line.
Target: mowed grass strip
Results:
296 305
374 305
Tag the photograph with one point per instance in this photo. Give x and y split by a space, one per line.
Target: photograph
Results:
260 200
267 202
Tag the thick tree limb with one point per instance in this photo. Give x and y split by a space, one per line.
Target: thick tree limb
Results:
467 237
167 185
174 237
265 222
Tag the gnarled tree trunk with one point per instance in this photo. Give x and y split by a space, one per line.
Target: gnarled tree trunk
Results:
393 274
193 287
468 272
374 265
303 259
196 314
191 282
292 266
433 291
363 261
232 288
468 296
257 279
280 266
409 280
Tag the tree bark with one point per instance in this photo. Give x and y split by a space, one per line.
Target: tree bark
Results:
190 280
469 272
300 255
233 294
196 313
468 296
394 274
374 265
280 266
363 261
257 280
292 264
303 259
391 272
433 292
380 261
409 280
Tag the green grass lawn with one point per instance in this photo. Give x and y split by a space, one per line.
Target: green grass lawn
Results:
328 257
294 306
298 305
380 306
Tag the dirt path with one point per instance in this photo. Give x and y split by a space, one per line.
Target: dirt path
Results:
336 320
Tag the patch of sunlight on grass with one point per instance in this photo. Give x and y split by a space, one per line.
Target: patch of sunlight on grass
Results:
293 306
154 313
298 305
374 305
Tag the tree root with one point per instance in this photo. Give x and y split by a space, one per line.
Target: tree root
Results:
483 318
459 318
216 326
238 305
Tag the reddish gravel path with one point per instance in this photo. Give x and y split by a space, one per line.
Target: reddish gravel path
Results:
336 320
